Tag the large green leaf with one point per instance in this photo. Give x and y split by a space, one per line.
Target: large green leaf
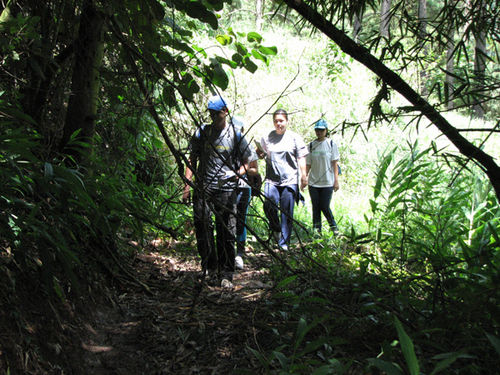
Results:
407 348
224 39
260 56
197 10
216 5
169 96
254 37
249 65
387 367
242 50
237 58
268 50
219 77
231 63
446 360
188 87
495 341
381 173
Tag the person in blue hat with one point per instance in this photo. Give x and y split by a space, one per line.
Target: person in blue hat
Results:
218 154
322 175
243 197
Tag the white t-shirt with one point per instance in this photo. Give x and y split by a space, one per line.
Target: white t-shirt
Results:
283 152
320 157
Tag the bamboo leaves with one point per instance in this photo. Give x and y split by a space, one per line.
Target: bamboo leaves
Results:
407 348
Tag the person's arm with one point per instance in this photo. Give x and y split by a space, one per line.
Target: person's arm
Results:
249 165
253 168
244 168
303 172
336 174
188 174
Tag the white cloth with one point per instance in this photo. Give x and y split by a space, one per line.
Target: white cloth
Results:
320 157
283 152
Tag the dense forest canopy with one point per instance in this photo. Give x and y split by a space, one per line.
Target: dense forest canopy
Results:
98 100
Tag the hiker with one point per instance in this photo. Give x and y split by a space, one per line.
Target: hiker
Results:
243 197
285 153
215 149
323 177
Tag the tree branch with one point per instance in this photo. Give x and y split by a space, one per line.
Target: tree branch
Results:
393 80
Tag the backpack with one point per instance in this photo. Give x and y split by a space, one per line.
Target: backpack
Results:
255 181
331 145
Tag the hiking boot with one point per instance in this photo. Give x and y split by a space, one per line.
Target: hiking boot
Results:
227 280
211 277
238 262
226 284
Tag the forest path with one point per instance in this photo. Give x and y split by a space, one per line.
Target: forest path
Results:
182 325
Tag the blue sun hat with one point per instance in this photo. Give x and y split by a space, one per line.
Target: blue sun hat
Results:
321 124
217 103
237 122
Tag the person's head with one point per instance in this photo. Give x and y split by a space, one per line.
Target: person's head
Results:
280 120
321 129
218 110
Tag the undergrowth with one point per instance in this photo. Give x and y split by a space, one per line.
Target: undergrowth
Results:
416 294
65 227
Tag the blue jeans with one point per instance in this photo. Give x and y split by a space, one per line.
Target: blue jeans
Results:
282 197
243 196
320 199
221 204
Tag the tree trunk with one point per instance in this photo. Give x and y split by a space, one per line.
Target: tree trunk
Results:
479 69
385 18
450 68
259 10
393 80
357 25
82 104
422 35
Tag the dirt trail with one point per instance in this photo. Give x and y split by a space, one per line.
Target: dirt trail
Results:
181 326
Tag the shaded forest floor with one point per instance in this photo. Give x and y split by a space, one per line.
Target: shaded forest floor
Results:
159 319
172 322
156 316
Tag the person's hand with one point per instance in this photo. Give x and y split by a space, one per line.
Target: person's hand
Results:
336 186
260 153
185 194
303 182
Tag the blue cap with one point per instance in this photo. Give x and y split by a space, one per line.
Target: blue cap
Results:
321 124
217 103
237 122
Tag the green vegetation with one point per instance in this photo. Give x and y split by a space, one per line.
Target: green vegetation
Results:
411 284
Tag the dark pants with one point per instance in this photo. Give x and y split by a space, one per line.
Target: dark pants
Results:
320 199
222 205
282 197
243 196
